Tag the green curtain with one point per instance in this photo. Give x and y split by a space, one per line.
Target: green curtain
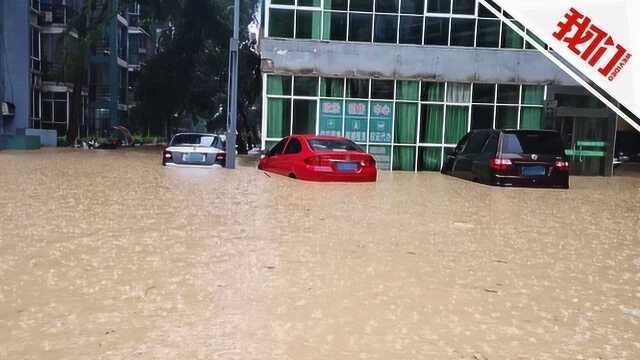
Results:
404 158
430 159
406 123
358 88
278 85
432 124
308 24
278 111
432 91
532 95
331 87
407 90
531 118
316 24
456 124
326 22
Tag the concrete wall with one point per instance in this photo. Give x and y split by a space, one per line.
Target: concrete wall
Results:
15 34
405 61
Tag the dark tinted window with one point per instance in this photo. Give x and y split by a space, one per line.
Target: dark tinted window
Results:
436 32
491 146
386 29
382 89
462 31
333 145
481 117
410 30
532 142
360 27
462 143
477 141
277 148
293 147
484 93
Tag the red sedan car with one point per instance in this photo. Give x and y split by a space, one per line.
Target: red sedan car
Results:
319 158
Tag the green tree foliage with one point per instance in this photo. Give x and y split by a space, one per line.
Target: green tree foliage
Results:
189 76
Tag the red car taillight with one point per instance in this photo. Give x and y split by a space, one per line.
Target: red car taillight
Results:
500 164
166 154
368 162
321 160
220 157
562 165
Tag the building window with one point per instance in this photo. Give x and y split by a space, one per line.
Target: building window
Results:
405 124
441 22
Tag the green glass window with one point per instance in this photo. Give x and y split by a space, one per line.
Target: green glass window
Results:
407 90
483 12
429 158
358 88
278 117
278 85
455 123
406 123
355 120
404 158
335 4
431 121
335 26
532 95
531 118
304 116
281 23
382 154
331 87
510 38
381 118
308 24
270 144
305 86
432 91
507 117
331 112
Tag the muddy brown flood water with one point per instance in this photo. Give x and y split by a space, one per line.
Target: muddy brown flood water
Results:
108 255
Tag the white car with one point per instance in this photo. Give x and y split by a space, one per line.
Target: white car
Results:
195 149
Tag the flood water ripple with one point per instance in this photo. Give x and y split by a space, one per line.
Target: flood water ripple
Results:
108 255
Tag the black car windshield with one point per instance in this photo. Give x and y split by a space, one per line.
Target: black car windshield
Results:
333 145
532 142
193 140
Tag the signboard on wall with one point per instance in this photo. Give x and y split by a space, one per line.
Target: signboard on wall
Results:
331 112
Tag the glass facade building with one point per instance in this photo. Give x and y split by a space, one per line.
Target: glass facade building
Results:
406 79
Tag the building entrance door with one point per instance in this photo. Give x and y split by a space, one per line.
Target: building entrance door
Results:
587 128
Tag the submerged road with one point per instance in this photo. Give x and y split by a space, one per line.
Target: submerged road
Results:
108 255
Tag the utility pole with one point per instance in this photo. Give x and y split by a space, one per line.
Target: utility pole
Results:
232 94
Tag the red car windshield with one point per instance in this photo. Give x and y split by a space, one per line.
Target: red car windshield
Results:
338 145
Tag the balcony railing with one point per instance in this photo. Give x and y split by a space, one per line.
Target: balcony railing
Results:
35 5
53 72
102 93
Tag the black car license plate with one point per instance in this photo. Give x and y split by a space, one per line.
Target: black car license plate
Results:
533 171
346 166
194 157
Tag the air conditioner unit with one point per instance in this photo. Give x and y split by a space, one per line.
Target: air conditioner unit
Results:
8 109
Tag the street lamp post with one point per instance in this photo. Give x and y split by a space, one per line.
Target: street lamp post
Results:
232 94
